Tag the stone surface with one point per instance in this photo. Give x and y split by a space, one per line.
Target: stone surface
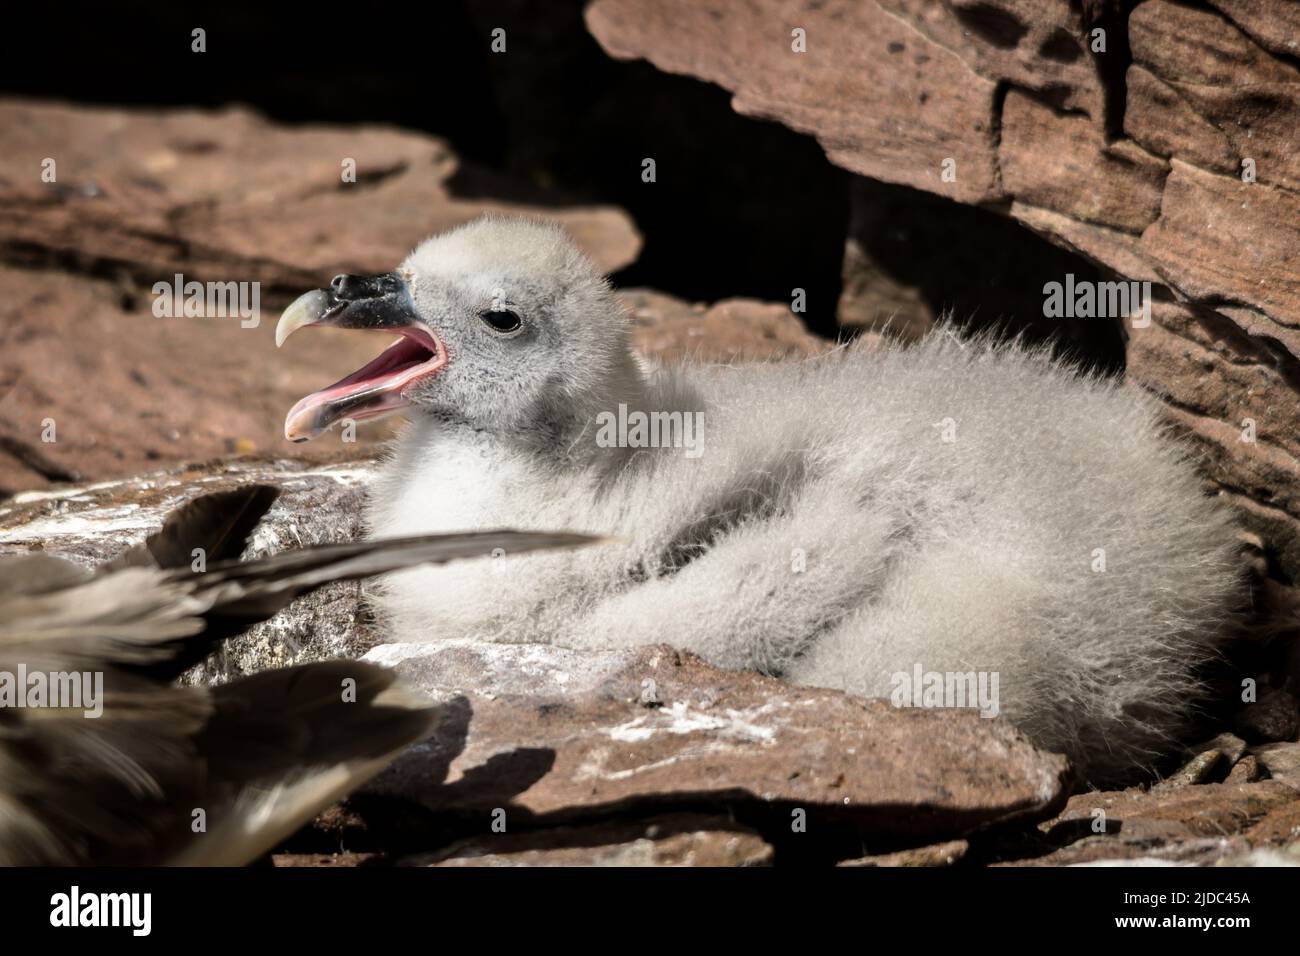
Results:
1209 824
1220 238
1111 248
545 734
1274 25
883 98
1246 770
1209 810
1200 769
1229 746
936 854
228 195
1199 361
671 840
1032 45
1146 851
669 329
1279 827
1164 122
1205 91
1281 760
1061 161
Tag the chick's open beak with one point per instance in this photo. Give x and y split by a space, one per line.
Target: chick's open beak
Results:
376 303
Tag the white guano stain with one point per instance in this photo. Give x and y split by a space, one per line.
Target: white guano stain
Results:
681 719
90 522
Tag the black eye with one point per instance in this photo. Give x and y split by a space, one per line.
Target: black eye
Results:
502 320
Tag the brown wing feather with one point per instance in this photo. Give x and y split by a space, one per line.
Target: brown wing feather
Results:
219 523
259 756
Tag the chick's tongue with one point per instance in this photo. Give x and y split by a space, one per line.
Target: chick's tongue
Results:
371 390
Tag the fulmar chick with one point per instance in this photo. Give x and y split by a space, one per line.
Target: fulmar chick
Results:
850 521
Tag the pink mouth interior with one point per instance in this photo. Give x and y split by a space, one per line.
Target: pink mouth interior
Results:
390 369
372 390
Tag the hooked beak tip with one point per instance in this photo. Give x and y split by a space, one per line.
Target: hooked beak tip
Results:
302 423
305 310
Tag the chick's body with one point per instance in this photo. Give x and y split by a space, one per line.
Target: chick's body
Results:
954 507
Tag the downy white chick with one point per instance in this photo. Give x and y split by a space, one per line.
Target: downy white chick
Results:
840 521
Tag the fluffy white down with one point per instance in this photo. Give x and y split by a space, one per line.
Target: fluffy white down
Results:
830 535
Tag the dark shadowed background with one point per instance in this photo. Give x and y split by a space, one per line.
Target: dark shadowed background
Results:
741 207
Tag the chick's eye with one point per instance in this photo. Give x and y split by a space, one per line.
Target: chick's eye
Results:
502 320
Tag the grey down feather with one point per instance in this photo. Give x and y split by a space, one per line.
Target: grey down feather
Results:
958 506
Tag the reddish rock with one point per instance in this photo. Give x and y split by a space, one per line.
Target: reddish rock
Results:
122 391
872 298
1202 47
1274 24
1237 100
1118 251
1201 825
228 195
1229 746
1044 47
1199 769
1062 162
1218 237
936 854
1279 827
671 840
1247 770
1143 849
883 98
1208 810
1281 760
535 733
1160 118
1229 394
732 330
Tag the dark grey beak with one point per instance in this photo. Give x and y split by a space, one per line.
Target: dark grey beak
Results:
352 302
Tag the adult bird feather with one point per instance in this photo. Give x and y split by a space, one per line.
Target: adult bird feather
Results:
192 775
